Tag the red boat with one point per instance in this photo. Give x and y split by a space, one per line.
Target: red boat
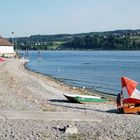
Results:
130 99
2 59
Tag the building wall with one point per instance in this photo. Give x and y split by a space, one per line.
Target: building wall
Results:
6 49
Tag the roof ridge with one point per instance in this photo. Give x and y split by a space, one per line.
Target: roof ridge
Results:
5 42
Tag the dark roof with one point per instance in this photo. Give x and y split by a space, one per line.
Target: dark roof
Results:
5 42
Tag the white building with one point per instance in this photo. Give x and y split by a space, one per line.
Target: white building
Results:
6 48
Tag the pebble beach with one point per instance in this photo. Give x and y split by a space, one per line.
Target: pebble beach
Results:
23 90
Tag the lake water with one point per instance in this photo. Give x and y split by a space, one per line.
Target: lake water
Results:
95 70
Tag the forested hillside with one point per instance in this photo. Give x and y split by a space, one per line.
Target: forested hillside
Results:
111 40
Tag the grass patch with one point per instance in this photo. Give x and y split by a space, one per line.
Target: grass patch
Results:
45 136
48 109
79 136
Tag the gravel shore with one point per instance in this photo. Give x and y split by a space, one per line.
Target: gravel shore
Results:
24 90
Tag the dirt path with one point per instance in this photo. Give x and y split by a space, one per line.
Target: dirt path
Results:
47 116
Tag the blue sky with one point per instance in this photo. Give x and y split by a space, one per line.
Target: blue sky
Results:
27 17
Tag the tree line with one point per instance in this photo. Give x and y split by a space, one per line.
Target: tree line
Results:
98 42
111 40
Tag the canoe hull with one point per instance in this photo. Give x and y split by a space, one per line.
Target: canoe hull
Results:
89 100
84 99
71 99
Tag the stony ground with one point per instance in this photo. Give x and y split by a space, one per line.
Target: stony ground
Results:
26 91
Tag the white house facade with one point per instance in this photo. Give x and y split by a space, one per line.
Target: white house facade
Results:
6 48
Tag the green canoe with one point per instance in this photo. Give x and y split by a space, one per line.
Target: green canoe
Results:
75 98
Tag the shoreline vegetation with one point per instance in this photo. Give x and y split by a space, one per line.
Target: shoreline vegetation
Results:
109 40
23 90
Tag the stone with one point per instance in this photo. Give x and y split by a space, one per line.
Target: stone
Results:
71 130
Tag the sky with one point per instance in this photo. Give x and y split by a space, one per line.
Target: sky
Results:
31 17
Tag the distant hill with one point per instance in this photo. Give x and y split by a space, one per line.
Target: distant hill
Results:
108 40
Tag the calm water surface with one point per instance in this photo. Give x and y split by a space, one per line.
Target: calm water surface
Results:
95 70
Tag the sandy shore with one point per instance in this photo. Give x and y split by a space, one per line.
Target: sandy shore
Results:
24 90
